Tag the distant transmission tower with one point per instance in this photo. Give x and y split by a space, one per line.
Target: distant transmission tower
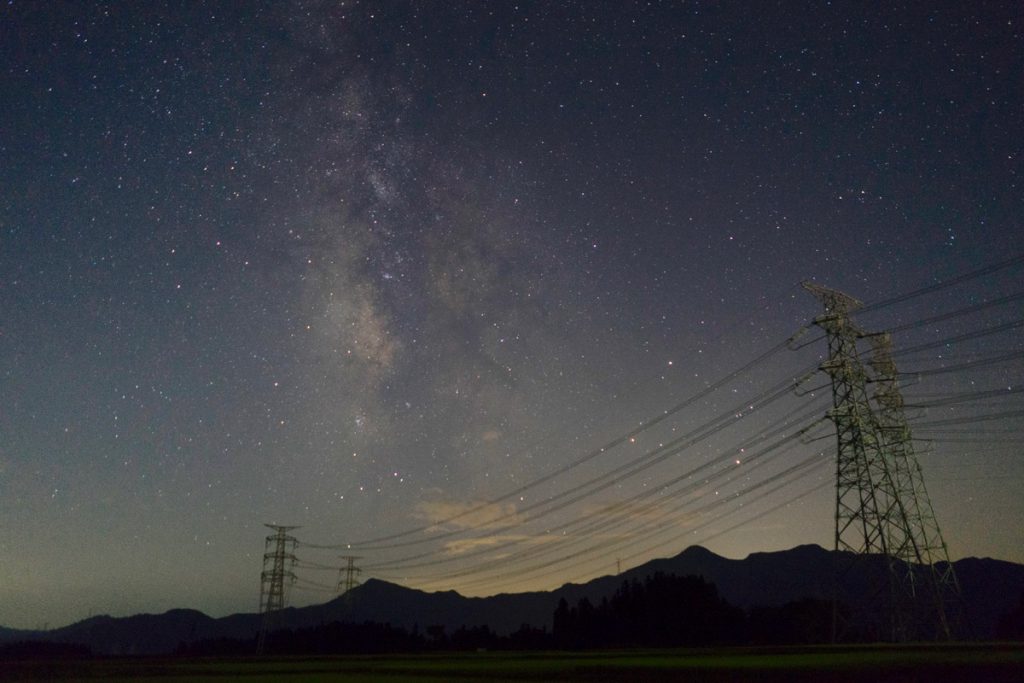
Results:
277 563
882 507
348 575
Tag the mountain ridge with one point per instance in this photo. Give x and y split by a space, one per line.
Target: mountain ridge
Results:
769 578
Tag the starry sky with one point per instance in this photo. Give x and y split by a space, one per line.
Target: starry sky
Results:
418 277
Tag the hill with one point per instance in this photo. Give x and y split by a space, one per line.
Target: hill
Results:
991 588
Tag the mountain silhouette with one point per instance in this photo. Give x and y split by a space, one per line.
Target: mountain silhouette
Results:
990 588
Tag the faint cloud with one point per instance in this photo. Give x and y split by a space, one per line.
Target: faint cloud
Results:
465 545
462 546
448 514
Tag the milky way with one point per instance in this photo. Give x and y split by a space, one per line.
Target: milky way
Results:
365 267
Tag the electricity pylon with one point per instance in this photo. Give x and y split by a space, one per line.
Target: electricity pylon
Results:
936 607
348 575
882 507
277 562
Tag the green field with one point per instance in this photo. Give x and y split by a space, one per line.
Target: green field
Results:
974 663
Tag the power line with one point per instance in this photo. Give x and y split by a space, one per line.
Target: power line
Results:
616 475
967 310
788 501
348 576
647 424
595 524
1009 430
938 286
519 513
986 417
651 532
882 505
960 337
1013 355
952 399
655 420
599 525
652 457
959 312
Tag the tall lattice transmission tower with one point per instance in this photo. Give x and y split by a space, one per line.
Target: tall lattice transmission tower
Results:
935 607
882 506
348 575
278 559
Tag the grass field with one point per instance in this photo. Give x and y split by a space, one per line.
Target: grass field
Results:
972 662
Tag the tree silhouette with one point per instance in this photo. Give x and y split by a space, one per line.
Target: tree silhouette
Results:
662 611
1011 624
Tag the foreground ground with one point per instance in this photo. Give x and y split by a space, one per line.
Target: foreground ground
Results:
972 662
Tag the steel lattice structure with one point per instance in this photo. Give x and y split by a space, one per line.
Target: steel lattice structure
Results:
348 575
882 506
277 567
928 577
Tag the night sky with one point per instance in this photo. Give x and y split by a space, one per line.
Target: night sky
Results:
363 266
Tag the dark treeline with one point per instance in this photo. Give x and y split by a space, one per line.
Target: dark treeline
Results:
372 638
661 611
1011 624
669 611
41 649
333 638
